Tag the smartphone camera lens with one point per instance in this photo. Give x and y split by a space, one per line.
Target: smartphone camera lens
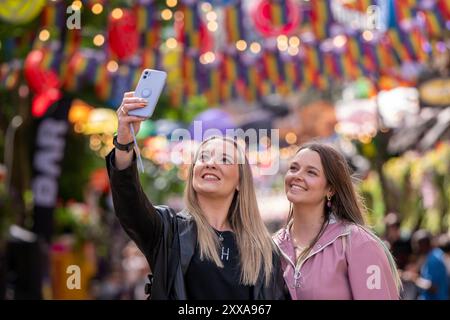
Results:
146 72
145 77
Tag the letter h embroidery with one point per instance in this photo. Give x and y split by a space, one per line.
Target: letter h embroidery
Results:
225 253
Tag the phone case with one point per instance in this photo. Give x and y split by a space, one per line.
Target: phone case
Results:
149 87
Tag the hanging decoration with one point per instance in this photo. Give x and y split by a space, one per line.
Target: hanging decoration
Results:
43 100
123 37
39 79
148 26
20 11
192 32
43 82
276 17
319 47
234 23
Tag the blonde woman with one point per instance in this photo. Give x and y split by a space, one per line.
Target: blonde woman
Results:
328 251
218 247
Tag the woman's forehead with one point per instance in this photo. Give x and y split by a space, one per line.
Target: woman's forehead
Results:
218 146
308 156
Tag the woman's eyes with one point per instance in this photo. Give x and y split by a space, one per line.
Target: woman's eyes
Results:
310 172
226 160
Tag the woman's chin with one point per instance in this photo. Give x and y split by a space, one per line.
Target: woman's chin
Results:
209 191
295 198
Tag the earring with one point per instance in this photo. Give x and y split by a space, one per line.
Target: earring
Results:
329 201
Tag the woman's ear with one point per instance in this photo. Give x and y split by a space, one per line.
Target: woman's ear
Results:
330 192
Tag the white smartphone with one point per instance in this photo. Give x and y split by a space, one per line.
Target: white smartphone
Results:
149 87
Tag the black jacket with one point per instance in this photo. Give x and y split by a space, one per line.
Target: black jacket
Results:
167 239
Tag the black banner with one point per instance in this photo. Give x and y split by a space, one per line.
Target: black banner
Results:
49 148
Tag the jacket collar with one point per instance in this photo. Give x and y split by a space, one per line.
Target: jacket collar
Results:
187 231
335 229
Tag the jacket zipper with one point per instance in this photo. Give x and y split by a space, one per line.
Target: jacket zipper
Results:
286 256
297 268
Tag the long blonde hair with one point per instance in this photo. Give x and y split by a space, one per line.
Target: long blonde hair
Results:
252 238
346 203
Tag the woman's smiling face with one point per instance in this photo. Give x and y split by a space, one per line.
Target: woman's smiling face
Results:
305 181
216 170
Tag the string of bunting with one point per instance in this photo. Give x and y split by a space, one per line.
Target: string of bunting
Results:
230 74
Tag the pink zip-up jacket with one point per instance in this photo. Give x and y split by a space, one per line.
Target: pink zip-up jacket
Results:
345 263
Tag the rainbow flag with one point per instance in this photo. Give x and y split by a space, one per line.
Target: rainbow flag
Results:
149 58
334 65
311 65
72 43
135 75
417 40
321 18
103 82
298 73
229 68
47 58
9 76
270 67
191 76
327 64
444 8
435 23
405 9
307 69
278 13
148 25
226 90
48 15
144 16
323 82
354 52
234 20
252 79
279 65
176 96
213 94
191 26
54 15
291 74
396 42
77 67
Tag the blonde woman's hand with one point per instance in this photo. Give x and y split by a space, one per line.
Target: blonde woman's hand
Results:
129 102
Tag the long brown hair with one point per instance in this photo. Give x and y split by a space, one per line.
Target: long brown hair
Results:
346 203
252 238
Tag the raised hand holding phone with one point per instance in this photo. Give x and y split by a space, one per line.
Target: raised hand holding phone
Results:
149 87
137 106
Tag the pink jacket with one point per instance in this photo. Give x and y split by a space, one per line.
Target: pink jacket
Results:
346 263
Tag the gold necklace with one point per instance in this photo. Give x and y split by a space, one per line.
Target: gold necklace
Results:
296 246
219 234
299 249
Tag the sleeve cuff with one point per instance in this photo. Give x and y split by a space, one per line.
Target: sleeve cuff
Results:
113 172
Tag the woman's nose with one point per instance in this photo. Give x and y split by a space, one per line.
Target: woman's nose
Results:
211 163
298 175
